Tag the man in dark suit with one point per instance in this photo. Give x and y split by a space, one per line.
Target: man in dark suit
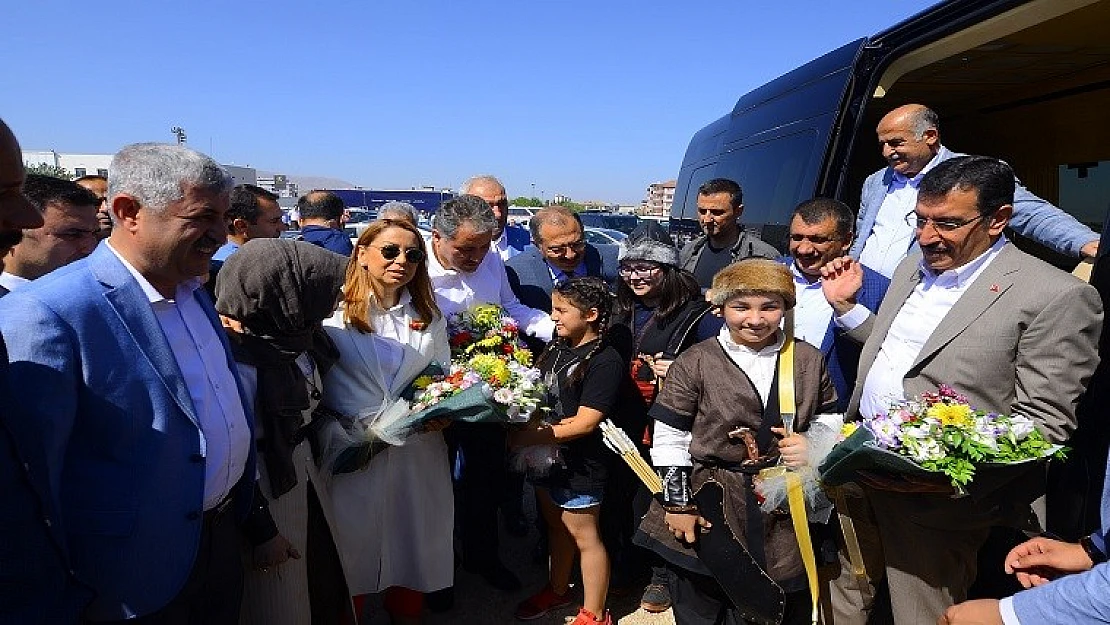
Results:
126 384
559 252
36 581
1013 334
821 230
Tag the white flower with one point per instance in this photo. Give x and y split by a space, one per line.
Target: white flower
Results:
1021 427
503 396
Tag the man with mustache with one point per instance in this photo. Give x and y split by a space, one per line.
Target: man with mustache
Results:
720 205
128 386
1012 333
69 231
36 582
820 231
909 137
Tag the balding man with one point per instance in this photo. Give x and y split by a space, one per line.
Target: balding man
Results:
321 218
559 252
36 584
69 231
508 241
909 137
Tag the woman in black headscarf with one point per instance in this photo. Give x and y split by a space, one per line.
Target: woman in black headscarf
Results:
272 295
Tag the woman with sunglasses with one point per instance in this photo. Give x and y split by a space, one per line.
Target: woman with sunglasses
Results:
664 312
393 519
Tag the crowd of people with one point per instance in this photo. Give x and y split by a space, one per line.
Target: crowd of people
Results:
173 371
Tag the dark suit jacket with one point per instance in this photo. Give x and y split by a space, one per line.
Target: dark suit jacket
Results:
518 238
531 280
841 351
104 405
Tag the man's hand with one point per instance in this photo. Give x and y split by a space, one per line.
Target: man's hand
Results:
794 448
659 366
841 280
1041 560
1089 250
977 612
685 526
274 552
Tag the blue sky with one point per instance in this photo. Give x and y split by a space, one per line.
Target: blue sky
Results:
594 100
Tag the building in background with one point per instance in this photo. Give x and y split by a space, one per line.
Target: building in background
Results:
660 196
77 165
278 184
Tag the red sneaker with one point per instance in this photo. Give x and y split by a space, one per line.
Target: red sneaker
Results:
585 617
540 604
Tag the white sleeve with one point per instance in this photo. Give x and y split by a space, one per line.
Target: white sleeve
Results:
1009 616
670 447
853 318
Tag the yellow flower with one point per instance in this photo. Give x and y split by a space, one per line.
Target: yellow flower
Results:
523 356
848 429
422 382
491 368
958 415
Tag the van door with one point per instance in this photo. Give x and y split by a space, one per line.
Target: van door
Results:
773 143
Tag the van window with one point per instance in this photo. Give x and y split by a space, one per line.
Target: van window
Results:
1085 191
772 174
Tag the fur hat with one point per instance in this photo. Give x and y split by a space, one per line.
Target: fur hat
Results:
753 276
649 241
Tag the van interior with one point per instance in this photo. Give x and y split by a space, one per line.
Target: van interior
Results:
1030 86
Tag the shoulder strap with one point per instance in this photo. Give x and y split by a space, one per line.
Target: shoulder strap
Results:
787 403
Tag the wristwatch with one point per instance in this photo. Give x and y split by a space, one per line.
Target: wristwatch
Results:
1093 552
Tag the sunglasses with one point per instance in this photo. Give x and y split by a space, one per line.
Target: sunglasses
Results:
391 252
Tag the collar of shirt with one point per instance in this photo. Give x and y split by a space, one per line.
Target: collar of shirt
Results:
11 282
558 275
437 270
899 180
725 338
801 280
184 289
402 301
963 275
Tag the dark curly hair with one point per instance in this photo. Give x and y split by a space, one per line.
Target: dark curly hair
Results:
584 293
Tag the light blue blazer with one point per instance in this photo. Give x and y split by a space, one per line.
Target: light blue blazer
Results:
101 398
1033 217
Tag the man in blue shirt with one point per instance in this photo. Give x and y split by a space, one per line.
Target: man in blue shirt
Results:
322 221
254 214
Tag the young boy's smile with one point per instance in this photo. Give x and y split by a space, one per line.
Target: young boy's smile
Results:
753 320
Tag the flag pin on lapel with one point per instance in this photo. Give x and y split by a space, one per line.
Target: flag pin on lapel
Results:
994 288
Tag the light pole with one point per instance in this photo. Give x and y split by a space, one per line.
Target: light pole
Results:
533 189
179 132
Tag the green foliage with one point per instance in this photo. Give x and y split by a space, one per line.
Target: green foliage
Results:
574 206
533 202
45 169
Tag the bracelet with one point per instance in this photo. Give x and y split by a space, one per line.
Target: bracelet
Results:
691 509
1093 552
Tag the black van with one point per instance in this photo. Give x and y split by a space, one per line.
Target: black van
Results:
1024 80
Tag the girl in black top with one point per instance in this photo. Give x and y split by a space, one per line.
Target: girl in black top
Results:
586 376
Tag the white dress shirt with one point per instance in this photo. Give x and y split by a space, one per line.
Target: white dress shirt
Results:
914 323
502 247
11 282
670 447
891 237
488 284
224 433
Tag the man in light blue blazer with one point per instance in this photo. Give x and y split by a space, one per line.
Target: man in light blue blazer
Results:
124 382
910 140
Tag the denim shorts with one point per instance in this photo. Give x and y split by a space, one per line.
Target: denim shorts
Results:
568 499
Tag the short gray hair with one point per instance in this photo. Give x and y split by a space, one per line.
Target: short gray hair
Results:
464 209
464 188
156 174
923 119
398 210
554 215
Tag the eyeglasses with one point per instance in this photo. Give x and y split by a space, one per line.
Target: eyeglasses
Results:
391 252
643 271
559 250
942 225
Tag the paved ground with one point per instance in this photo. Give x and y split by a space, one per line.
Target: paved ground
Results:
478 604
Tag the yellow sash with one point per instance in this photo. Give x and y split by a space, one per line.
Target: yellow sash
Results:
794 495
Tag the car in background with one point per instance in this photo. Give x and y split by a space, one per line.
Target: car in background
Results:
610 221
604 236
521 215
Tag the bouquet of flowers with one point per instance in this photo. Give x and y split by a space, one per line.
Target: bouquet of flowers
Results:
939 433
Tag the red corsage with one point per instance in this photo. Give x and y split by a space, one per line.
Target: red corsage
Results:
417 325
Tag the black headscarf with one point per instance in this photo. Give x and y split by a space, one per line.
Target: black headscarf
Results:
281 290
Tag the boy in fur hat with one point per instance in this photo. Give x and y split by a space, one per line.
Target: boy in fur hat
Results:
718 422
